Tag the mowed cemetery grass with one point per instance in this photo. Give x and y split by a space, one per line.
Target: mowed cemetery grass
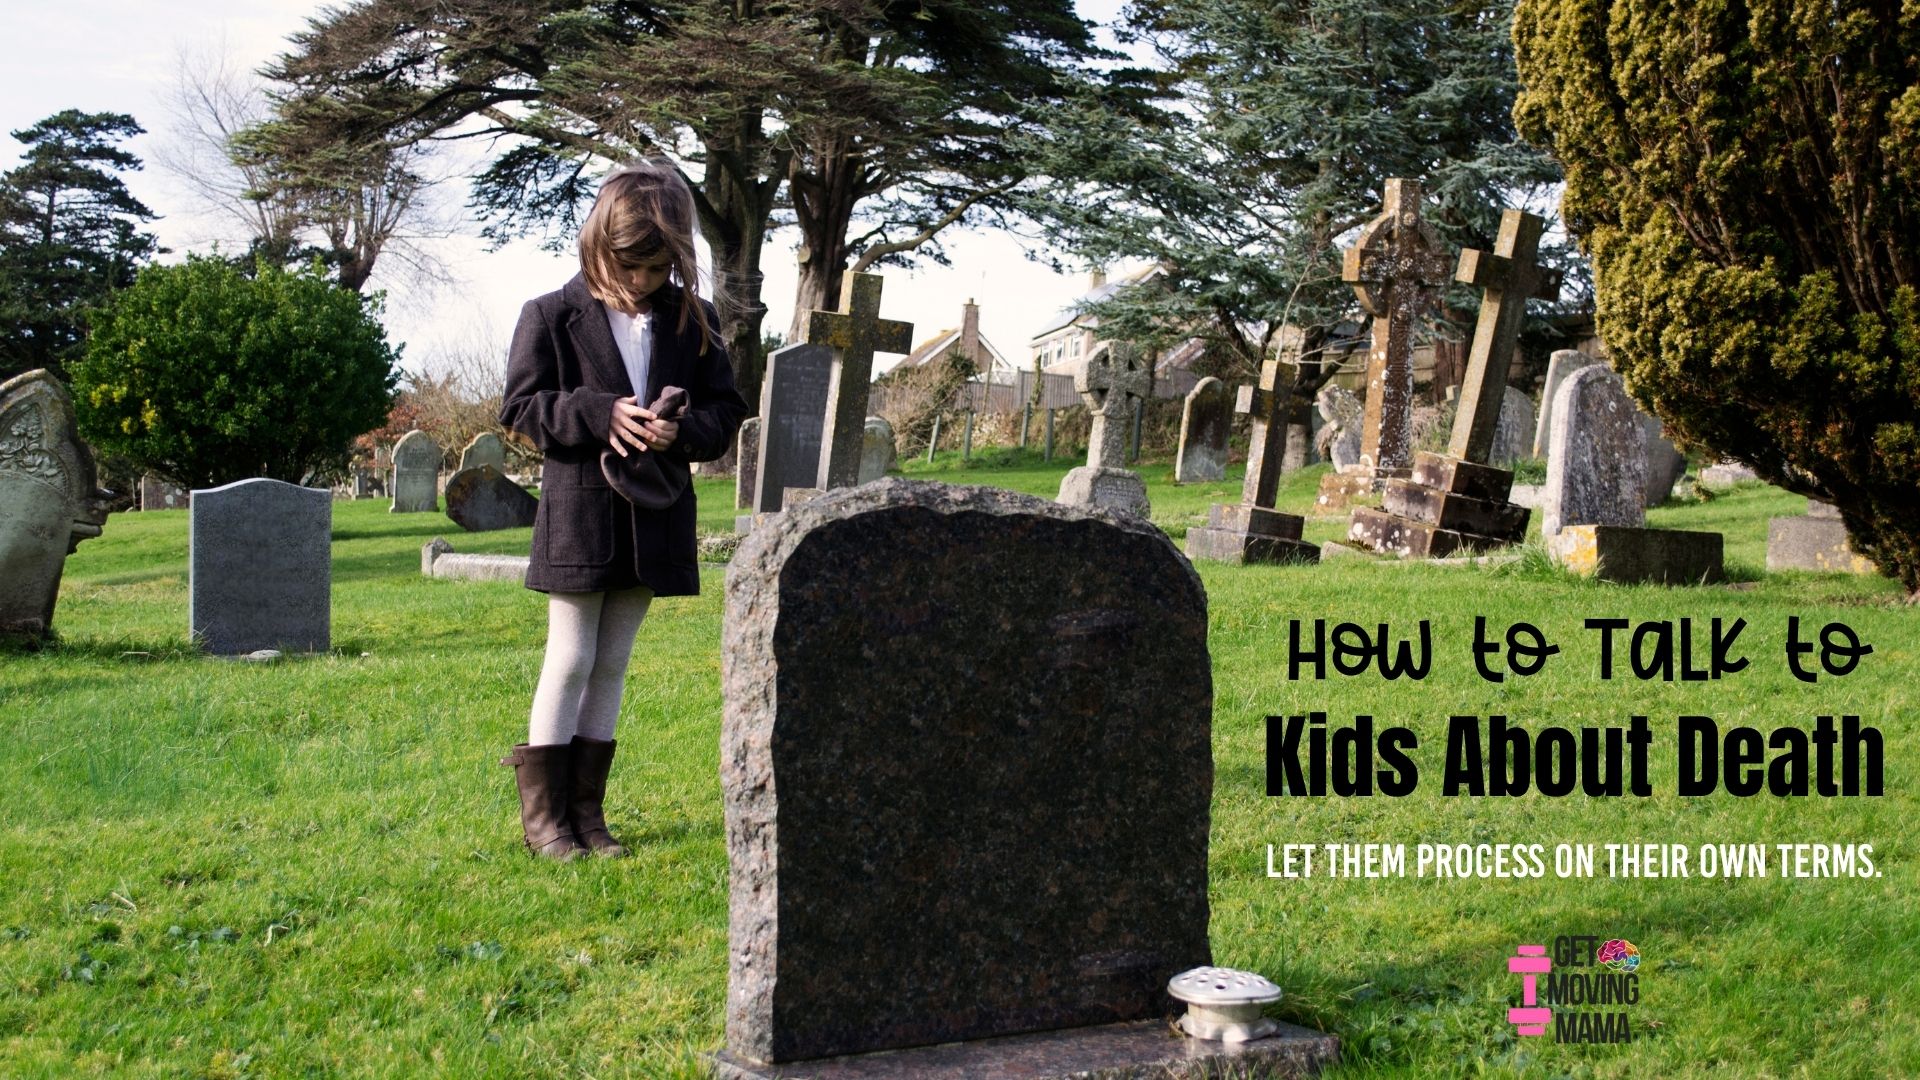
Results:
312 867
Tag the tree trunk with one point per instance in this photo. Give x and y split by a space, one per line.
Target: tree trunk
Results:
823 203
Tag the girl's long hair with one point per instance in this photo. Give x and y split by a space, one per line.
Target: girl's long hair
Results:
643 209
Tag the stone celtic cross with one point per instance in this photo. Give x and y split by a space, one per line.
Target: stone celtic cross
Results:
1114 377
1266 405
1510 276
854 333
1396 269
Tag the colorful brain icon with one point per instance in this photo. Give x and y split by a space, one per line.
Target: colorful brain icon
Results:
1619 954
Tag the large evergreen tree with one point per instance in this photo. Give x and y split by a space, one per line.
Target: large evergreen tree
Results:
873 124
69 235
1746 176
1287 119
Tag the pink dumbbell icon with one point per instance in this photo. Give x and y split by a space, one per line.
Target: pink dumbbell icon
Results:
1531 961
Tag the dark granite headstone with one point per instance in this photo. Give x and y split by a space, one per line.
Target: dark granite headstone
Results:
259 567
967 771
793 414
483 499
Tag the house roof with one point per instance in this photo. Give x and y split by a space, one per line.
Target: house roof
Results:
939 343
1070 314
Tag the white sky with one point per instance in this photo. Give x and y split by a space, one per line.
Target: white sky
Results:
120 55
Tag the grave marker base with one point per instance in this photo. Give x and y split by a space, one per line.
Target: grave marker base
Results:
1340 490
1238 533
1140 1049
1448 506
1629 555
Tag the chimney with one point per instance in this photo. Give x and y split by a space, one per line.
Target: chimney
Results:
970 337
1097 278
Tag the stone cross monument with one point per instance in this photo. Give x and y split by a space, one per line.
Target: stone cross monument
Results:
1510 276
1457 501
1112 381
854 333
1396 269
1252 530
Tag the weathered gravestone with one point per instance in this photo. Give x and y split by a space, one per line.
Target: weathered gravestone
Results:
484 449
158 494
1113 381
878 449
1205 423
1597 462
1665 462
259 567
1459 501
1013 839
50 499
416 474
854 334
747 454
1561 364
793 416
484 499
1342 417
1515 430
1595 497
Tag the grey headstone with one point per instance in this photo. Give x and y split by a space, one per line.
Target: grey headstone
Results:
1515 433
158 494
878 449
484 499
416 474
748 457
484 449
259 567
1561 364
1597 464
793 415
49 498
1665 462
1205 423
1013 839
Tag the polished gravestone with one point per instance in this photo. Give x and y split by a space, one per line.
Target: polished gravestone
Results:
793 418
966 770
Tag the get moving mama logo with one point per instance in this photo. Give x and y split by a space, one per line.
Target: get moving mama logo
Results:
1581 992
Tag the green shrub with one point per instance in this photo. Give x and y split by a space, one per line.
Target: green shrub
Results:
204 375
1744 176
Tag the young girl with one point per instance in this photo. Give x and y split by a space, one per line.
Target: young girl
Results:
584 360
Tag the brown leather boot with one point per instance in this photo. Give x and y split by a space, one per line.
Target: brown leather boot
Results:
592 758
542 774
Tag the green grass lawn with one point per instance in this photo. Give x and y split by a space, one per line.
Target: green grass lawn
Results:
312 867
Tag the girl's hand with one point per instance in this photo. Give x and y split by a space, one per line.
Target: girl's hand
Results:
639 428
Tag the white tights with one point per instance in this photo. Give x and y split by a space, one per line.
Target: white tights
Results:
589 639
